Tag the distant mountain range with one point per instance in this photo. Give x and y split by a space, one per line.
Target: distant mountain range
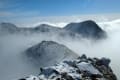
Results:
48 53
88 29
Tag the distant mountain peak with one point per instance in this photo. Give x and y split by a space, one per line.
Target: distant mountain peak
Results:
8 28
5 24
44 25
90 24
89 21
46 28
86 28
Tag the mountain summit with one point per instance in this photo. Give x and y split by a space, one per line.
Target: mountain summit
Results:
46 28
86 28
49 52
8 27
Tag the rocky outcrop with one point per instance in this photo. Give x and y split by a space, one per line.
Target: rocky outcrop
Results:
82 68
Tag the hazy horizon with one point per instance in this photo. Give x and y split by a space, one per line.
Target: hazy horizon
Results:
27 13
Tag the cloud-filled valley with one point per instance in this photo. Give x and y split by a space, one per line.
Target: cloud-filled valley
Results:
12 46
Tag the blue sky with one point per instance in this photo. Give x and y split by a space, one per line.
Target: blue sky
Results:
59 7
16 9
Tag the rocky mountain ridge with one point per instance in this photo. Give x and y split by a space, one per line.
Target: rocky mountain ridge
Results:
82 68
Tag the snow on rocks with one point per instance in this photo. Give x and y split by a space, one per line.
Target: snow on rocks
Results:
82 68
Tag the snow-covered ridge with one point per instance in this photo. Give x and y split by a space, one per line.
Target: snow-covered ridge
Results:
82 68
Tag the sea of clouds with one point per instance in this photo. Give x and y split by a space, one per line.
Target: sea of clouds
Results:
13 66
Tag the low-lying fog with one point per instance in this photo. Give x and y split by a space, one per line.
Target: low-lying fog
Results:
13 66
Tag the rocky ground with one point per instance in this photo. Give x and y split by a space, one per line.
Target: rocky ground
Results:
82 68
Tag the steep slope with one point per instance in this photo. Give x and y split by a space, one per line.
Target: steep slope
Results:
86 28
82 68
49 52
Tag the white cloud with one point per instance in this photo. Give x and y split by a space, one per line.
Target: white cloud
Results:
112 25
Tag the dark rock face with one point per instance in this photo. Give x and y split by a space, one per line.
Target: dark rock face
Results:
49 51
82 68
86 29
